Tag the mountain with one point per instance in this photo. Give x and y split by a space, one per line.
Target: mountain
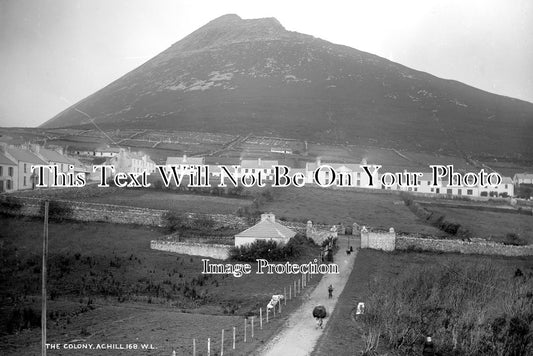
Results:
242 76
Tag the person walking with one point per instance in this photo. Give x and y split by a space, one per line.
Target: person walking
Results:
330 291
429 348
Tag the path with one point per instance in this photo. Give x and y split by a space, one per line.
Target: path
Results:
299 334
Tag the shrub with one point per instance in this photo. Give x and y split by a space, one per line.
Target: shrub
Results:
515 240
11 204
173 221
269 250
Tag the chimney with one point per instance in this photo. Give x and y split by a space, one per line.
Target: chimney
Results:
318 162
259 162
268 217
184 158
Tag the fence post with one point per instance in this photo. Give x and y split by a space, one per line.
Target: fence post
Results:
193 347
290 292
267 315
279 307
245 329
295 292
208 346
234 338
222 344
261 318
252 327
285 295
274 312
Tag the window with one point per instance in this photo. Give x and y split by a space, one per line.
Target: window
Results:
432 190
1 171
8 185
449 191
505 185
25 169
24 180
438 190
416 189
358 182
469 192
10 171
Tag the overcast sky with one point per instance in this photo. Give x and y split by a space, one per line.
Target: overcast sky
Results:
56 52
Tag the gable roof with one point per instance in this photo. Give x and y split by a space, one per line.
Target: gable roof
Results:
24 156
185 160
267 229
257 163
53 156
523 176
6 161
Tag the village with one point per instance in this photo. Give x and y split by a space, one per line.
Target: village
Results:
80 167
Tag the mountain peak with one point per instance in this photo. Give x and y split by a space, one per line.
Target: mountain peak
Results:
231 28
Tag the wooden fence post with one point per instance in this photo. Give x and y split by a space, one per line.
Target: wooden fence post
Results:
279 307
222 344
267 315
234 338
193 347
252 327
208 346
261 318
244 329
285 295
290 292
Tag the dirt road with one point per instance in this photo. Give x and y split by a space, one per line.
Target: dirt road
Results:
299 334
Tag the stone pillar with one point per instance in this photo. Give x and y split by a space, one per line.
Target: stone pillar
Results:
364 238
309 230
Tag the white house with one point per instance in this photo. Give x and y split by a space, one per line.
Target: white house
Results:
132 162
23 177
523 178
7 172
345 174
267 230
253 166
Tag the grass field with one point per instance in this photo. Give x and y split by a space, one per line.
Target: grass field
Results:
330 206
346 335
488 224
153 199
107 286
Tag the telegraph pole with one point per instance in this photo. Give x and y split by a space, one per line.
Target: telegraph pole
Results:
43 298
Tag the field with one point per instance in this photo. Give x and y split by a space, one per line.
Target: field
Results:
329 206
489 225
107 286
153 199
347 334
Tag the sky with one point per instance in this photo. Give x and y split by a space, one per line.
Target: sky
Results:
54 53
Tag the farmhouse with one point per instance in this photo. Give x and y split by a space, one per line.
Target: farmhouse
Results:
267 229
132 162
256 165
23 177
523 178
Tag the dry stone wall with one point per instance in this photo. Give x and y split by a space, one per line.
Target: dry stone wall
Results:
220 252
117 214
459 246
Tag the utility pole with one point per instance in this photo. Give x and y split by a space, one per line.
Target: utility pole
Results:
43 298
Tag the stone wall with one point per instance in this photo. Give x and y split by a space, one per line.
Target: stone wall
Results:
385 241
319 234
118 214
220 252
459 246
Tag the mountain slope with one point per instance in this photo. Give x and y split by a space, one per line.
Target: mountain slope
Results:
235 75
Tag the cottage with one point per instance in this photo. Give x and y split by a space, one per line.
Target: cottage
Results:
267 230
23 177
7 173
523 178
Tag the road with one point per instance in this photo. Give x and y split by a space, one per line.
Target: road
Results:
300 334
